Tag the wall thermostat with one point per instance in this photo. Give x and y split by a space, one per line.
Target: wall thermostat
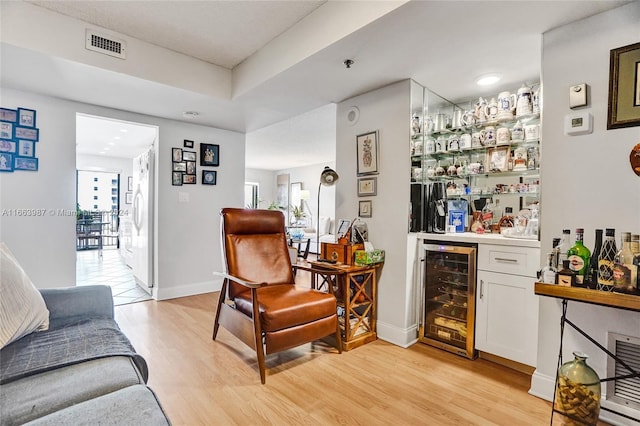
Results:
578 124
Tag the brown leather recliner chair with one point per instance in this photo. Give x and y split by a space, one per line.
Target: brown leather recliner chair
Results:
259 284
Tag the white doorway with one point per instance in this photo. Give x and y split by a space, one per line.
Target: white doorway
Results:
110 150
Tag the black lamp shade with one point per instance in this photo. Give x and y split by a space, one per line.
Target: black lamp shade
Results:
328 176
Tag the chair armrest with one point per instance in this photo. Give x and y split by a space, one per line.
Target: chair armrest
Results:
249 284
76 302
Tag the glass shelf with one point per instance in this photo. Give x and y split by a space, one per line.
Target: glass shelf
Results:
517 173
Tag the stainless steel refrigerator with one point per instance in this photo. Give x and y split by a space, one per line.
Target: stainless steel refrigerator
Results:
448 297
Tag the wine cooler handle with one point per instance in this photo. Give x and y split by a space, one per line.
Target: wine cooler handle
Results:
481 289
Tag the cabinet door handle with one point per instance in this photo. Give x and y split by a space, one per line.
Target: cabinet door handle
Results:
481 289
504 259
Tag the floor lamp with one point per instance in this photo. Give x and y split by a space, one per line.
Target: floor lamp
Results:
328 177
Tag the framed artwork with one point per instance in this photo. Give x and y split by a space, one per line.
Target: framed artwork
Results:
6 130
191 167
6 162
367 153
128 197
498 159
130 183
343 227
26 133
364 208
176 178
367 186
26 117
7 114
188 179
176 154
180 166
26 148
209 177
209 155
187 143
25 163
624 87
188 156
8 146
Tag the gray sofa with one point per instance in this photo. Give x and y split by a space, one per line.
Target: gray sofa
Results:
83 370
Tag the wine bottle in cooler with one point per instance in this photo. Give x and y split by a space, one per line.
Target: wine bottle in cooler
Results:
593 263
605 260
579 257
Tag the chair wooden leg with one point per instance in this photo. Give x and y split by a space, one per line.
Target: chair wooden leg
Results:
257 326
338 336
216 320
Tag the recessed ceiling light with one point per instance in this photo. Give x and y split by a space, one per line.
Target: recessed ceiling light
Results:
116 137
488 79
112 143
124 130
190 114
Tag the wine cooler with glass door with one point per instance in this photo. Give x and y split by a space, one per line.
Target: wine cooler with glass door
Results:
448 297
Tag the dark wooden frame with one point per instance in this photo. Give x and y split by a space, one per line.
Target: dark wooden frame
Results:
624 82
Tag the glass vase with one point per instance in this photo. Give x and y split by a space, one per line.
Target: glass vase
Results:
578 392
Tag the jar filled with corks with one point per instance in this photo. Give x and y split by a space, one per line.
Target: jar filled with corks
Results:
578 392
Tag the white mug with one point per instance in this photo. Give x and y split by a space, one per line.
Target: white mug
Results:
488 135
453 143
441 144
465 141
532 132
430 146
476 140
418 147
506 105
503 135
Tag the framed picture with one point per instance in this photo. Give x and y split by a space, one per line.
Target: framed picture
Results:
176 154
191 167
26 148
498 159
6 162
176 178
25 163
8 146
7 114
367 153
6 130
26 133
130 183
624 87
209 177
188 179
26 117
364 208
188 156
128 197
209 155
187 143
367 186
180 166
343 227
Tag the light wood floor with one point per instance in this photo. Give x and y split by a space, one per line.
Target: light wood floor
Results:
202 382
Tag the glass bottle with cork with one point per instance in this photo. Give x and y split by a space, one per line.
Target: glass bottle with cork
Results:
548 272
579 257
593 263
624 271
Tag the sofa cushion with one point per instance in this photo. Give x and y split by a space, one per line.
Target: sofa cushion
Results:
22 309
133 405
35 396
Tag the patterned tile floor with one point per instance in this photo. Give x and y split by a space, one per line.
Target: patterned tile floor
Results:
109 270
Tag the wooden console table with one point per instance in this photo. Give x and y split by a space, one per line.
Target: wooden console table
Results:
596 297
355 288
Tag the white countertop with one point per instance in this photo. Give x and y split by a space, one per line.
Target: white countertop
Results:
471 237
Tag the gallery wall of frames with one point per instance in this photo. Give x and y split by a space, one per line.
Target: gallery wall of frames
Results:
184 163
18 140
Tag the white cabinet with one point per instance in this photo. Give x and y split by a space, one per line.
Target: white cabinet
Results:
506 306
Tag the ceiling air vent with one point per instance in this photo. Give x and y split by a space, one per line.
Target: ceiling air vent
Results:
106 45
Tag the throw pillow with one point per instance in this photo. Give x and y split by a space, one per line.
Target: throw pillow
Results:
22 308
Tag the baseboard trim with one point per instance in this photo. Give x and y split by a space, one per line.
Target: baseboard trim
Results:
542 385
514 365
185 290
398 336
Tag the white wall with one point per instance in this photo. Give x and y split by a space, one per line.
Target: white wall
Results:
387 110
187 247
266 180
586 180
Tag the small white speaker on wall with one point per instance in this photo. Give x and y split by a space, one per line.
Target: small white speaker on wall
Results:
353 114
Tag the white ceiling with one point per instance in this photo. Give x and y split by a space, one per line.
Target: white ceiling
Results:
444 45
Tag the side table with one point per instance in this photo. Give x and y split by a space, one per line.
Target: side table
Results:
596 297
355 288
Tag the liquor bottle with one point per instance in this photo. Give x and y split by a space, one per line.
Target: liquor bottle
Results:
593 263
566 277
564 246
605 260
548 272
556 253
635 244
624 272
579 257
